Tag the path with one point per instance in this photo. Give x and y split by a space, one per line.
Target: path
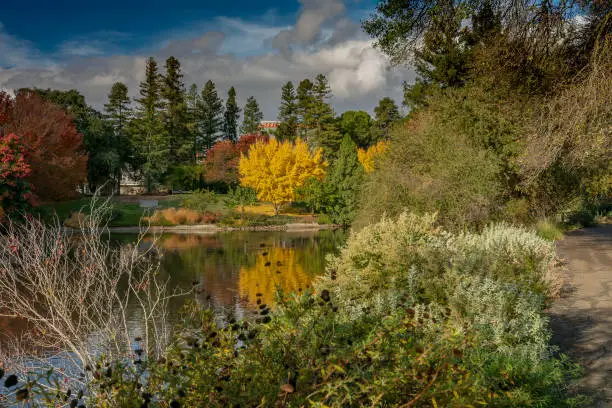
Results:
582 319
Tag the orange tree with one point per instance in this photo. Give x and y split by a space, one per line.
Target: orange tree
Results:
276 169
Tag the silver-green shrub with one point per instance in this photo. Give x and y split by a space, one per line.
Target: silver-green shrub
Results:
494 283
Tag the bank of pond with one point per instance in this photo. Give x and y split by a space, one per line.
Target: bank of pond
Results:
400 313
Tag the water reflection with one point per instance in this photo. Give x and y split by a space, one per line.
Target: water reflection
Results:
228 269
231 268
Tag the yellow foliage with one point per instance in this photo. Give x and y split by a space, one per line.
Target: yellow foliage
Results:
279 268
367 158
276 169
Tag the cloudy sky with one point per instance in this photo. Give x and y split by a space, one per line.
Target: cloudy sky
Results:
253 45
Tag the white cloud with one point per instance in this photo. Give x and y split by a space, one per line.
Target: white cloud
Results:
79 49
234 53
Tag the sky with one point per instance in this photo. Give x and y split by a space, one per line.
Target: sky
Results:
255 46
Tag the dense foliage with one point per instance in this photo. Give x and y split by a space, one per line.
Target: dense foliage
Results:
55 148
510 115
276 169
15 194
406 315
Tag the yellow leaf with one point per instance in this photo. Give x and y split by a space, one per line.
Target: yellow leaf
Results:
276 169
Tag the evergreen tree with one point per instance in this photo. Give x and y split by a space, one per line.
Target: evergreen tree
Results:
175 113
358 125
193 103
148 130
118 109
305 105
386 113
118 150
211 115
287 114
232 115
326 134
252 117
342 184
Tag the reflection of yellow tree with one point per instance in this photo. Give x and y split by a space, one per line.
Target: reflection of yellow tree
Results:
278 268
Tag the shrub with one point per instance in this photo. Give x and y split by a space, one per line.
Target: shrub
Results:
406 315
200 200
182 216
449 158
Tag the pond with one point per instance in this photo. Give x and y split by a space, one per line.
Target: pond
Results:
228 270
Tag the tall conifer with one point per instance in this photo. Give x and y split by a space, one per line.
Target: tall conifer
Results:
231 116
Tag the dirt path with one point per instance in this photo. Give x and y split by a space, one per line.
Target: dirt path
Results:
582 319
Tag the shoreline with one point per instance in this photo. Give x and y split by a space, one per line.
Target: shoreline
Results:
213 228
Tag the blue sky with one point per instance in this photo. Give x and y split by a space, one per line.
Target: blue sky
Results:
253 45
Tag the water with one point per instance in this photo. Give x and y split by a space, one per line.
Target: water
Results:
230 268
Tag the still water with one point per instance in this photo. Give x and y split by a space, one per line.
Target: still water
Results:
228 269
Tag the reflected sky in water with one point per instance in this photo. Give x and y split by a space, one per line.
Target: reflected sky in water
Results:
228 270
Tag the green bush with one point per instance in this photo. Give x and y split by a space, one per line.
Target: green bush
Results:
406 314
201 200
449 158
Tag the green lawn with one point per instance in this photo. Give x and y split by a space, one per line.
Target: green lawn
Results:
127 212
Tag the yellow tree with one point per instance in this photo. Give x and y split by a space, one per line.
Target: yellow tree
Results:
276 169
367 158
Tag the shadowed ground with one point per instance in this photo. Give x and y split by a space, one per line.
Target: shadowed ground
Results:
582 319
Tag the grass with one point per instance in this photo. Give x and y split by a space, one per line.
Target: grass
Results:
549 230
128 213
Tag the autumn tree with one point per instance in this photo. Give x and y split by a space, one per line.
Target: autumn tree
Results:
87 121
15 194
148 131
211 115
287 114
221 163
252 116
368 157
277 169
231 116
56 151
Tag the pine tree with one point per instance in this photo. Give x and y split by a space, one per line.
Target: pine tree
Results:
232 114
211 115
148 131
326 134
252 117
118 151
305 104
118 109
193 103
175 113
287 114
342 184
386 113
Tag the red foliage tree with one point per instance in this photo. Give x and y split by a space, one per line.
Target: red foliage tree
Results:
15 195
221 164
56 153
